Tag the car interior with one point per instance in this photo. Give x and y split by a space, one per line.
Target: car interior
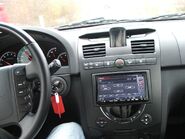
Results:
117 79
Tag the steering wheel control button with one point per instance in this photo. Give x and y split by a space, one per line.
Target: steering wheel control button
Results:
21 92
146 119
20 72
27 98
119 63
20 84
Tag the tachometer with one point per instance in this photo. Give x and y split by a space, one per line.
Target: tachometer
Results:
8 58
52 54
63 59
24 55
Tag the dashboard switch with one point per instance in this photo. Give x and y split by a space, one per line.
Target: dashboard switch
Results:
151 60
101 122
140 61
98 64
108 63
146 119
86 64
91 64
129 62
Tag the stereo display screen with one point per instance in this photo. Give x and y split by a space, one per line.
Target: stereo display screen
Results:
127 87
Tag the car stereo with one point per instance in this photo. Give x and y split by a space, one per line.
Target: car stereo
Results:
121 88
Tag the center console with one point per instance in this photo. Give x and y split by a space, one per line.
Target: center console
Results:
121 83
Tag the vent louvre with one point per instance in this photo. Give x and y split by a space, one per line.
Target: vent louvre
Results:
143 46
94 50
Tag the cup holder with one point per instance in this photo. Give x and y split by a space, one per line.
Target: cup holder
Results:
123 113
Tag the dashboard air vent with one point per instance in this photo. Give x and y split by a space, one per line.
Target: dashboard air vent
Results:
143 46
94 50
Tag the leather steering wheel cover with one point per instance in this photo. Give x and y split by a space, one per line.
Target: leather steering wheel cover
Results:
44 75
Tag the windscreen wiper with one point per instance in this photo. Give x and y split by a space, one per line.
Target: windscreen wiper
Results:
103 21
176 16
87 23
92 22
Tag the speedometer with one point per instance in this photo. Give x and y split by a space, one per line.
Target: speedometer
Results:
24 55
8 58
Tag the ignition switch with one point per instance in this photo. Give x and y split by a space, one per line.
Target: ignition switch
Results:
59 85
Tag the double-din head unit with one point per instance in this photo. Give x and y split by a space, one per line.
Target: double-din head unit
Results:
118 88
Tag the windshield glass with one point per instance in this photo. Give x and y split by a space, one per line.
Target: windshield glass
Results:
61 12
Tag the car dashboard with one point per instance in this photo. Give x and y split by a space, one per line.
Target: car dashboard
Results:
116 86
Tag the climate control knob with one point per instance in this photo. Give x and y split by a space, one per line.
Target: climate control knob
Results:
119 63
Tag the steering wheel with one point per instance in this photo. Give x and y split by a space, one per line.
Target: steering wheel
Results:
15 95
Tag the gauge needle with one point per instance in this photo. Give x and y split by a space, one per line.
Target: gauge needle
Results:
63 60
28 55
53 54
5 62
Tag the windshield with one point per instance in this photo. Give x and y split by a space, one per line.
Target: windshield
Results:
62 12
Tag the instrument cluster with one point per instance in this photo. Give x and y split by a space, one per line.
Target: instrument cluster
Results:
21 54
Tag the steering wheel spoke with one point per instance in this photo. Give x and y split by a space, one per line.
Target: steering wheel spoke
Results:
26 123
31 70
8 107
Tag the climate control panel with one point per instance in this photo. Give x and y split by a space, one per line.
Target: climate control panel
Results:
120 63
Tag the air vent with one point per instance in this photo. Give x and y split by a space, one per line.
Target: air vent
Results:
94 50
143 46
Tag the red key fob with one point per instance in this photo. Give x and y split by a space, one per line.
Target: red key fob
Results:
57 104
